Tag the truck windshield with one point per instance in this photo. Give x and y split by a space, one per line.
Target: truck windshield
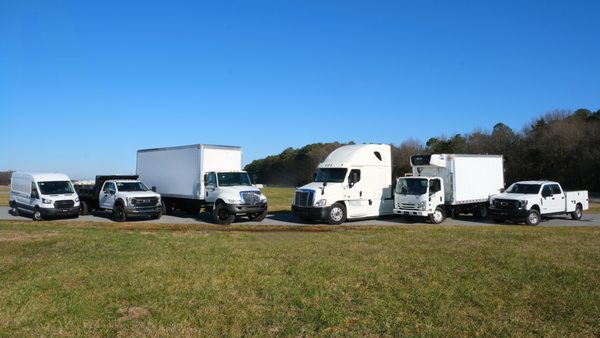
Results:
336 175
131 186
234 179
411 186
56 187
522 188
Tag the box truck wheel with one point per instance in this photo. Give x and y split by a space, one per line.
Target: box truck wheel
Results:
481 211
37 215
438 216
337 215
259 216
119 214
533 217
83 208
576 215
221 215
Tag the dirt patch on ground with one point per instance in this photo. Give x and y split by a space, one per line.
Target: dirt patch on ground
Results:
132 313
9 236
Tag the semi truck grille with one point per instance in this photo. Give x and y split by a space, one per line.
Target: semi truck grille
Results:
250 197
64 204
144 201
506 204
304 198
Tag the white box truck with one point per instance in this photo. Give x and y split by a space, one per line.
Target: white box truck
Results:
449 184
43 195
192 177
353 182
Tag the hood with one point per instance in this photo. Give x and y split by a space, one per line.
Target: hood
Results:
139 193
513 196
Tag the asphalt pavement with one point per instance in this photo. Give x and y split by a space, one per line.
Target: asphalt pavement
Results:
287 219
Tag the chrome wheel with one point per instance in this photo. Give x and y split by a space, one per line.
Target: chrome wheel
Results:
438 216
533 218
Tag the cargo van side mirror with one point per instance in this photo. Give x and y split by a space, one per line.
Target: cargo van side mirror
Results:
35 195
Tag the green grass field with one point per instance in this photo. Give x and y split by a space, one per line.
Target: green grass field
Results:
280 199
136 279
4 195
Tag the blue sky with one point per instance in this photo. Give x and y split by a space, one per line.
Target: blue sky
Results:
84 84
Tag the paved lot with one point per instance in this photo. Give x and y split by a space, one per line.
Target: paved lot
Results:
287 219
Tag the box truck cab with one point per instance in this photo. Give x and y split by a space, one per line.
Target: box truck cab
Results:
353 182
449 184
43 195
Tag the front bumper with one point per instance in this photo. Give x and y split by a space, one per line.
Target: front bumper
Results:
153 210
313 213
508 213
246 208
408 212
59 211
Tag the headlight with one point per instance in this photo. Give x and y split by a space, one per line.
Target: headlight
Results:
263 198
129 199
523 204
234 201
76 199
46 201
422 205
321 203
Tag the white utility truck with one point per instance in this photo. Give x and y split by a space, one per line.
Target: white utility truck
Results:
353 182
449 184
200 175
123 195
42 195
530 200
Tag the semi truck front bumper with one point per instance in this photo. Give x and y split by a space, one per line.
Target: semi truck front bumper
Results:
508 213
404 212
246 208
312 213
49 212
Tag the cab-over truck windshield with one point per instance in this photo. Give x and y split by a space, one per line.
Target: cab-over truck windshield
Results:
412 186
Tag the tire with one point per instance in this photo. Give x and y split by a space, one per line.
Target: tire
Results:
438 216
576 215
119 214
533 217
166 208
83 208
37 215
337 214
258 216
480 212
156 216
221 215
14 211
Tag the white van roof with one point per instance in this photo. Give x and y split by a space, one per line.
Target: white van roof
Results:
42 177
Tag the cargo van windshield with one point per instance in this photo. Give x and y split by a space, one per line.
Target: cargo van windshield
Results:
56 187
335 175
411 186
131 186
234 179
522 188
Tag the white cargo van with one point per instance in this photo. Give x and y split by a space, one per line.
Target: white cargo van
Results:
353 182
43 195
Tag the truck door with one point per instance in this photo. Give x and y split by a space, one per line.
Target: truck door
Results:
107 195
436 194
553 199
210 187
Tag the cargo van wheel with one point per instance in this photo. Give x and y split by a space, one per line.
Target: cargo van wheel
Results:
119 214
438 216
37 215
221 215
14 211
258 216
576 215
83 208
337 215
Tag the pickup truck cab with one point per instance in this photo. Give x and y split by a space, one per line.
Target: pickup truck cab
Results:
530 200
124 196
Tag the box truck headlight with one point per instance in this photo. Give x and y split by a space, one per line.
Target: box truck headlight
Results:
234 201
46 201
263 198
422 205
321 203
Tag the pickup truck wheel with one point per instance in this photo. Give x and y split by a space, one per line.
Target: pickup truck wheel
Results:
576 215
156 216
438 216
119 214
83 208
221 215
37 215
533 217
337 215
258 216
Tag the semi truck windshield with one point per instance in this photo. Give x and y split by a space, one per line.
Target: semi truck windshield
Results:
234 179
411 186
335 175
56 187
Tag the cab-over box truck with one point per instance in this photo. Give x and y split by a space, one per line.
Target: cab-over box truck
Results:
202 176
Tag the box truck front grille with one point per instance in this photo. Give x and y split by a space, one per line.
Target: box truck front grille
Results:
506 204
64 204
144 201
250 197
408 206
304 198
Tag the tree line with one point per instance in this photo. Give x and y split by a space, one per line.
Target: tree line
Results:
561 145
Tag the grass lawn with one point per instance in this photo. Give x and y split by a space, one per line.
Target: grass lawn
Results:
136 279
4 190
280 199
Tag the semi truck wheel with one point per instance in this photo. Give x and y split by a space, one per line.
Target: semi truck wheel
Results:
576 215
438 216
533 218
337 215
119 214
221 215
258 216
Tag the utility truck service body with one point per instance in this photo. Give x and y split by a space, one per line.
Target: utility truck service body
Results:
529 200
43 195
200 175
353 182
449 184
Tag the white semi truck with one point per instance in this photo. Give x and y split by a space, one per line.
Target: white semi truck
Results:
200 175
449 184
353 182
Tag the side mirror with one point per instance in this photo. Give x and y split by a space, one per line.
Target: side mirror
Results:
153 189
35 195
502 190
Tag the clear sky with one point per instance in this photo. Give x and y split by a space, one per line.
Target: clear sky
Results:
84 84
